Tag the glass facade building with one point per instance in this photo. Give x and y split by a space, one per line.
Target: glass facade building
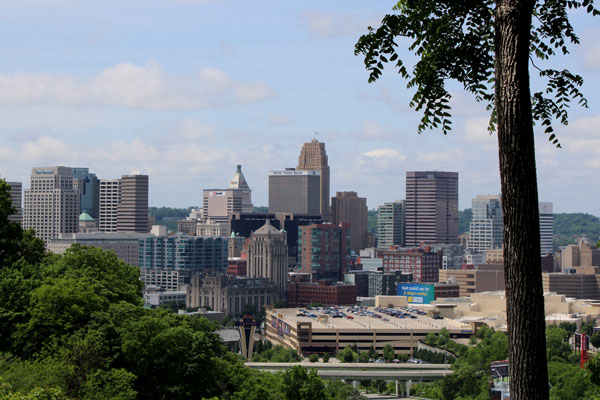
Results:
486 224
188 253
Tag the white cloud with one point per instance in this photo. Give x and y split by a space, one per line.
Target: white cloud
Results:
372 130
133 86
275 119
438 157
247 93
375 162
591 58
475 132
194 1
593 163
328 25
586 125
385 153
190 129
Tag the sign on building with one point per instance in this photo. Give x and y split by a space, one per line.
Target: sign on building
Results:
247 326
417 294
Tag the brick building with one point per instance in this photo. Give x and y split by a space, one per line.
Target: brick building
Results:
423 263
237 267
324 250
324 292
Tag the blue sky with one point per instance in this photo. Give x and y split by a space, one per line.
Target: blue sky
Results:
184 90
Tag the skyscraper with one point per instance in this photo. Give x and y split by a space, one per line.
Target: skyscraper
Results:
324 250
267 256
239 182
51 205
219 204
132 213
110 196
314 158
348 207
89 191
390 224
16 196
486 223
294 192
546 228
431 207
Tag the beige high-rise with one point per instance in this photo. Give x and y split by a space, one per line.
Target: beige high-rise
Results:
51 205
110 197
267 256
314 158
348 207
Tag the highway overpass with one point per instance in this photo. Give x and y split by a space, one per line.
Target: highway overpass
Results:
408 373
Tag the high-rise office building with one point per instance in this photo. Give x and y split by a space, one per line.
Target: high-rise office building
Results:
51 205
314 158
431 207
324 250
16 196
546 228
486 223
88 186
132 213
267 256
239 182
295 192
219 204
110 196
390 224
348 207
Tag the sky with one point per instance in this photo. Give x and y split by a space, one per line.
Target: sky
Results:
184 90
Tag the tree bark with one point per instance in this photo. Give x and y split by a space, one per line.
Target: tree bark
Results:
522 260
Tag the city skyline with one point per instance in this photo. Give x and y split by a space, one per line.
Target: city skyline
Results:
187 90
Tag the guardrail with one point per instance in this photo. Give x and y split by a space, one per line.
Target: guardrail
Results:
360 371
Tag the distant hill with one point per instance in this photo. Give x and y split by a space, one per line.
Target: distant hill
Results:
464 220
372 221
567 226
169 216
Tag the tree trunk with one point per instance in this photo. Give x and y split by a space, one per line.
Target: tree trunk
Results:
522 261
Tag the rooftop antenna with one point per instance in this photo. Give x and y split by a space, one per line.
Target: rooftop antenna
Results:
315 137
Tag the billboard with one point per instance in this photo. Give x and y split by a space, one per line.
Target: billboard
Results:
416 293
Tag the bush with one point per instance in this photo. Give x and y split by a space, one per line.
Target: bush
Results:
363 357
313 358
326 357
347 355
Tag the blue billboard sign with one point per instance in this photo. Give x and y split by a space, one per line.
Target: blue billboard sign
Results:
416 293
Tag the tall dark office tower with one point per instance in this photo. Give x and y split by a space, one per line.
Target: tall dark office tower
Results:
431 207
294 192
314 158
132 213
348 207
89 191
